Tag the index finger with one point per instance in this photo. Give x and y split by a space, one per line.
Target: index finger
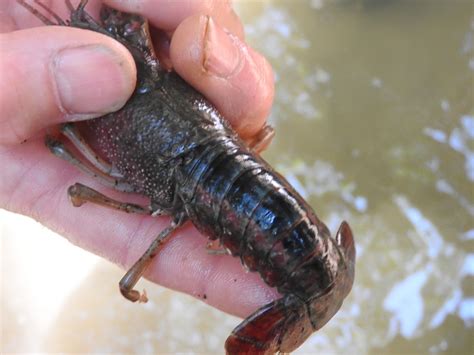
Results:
167 15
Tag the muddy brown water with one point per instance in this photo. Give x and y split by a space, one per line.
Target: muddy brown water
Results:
375 125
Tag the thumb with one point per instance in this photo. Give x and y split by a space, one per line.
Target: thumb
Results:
56 74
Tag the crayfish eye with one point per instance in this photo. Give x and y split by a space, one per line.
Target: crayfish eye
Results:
112 29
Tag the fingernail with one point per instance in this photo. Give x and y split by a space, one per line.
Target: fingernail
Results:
91 80
222 52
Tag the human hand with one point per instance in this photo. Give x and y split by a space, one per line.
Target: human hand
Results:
57 74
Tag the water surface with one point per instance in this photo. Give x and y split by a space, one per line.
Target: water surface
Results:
375 122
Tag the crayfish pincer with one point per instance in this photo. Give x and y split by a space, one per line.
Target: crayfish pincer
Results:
172 146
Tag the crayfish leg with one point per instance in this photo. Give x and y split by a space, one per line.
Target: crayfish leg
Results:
280 326
132 276
262 139
80 194
59 149
71 131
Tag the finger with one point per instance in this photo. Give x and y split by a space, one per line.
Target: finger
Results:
167 15
7 23
36 183
54 74
235 78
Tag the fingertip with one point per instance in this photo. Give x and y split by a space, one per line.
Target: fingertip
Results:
234 77
260 103
167 15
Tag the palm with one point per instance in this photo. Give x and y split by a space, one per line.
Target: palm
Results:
34 182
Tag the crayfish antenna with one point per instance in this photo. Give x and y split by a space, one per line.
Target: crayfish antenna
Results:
39 15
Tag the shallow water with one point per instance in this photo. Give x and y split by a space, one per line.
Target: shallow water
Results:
375 125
